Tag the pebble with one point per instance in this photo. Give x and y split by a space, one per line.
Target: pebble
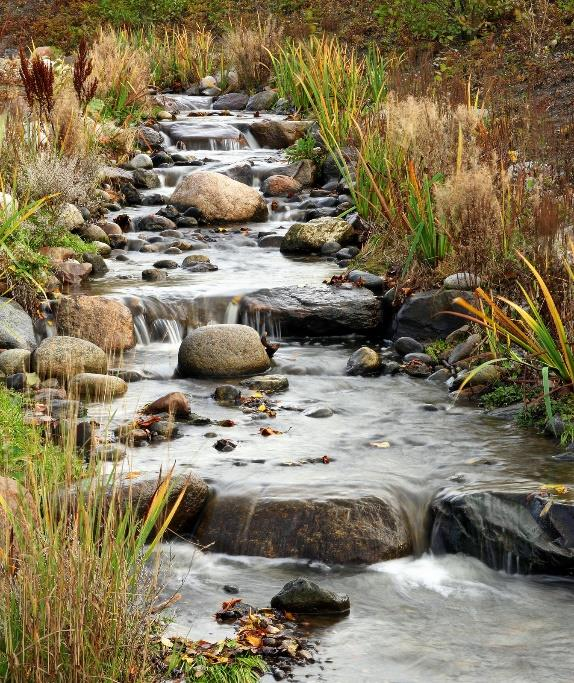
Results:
154 275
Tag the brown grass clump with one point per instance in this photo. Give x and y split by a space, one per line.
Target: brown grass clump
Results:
248 50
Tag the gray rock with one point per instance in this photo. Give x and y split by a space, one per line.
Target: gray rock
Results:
440 376
318 412
270 242
155 223
464 349
330 248
313 310
145 179
154 275
311 236
370 281
278 134
95 387
390 367
227 393
364 361
16 327
267 383
15 360
148 138
406 345
421 357
347 253
426 315
262 101
222 351
165 263
302 596
232 101
242 173
141 161
98 264
110 452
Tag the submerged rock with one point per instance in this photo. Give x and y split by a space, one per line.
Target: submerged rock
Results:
219 198
280 185
516 531
222 351
302 596
314 310
267 383
337 531
364 361
94 387
175 404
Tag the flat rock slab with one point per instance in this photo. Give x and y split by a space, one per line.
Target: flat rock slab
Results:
314 310
336 531
516 531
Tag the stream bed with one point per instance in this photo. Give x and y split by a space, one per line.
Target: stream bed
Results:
419 619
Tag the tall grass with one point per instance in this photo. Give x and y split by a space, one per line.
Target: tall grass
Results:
77 595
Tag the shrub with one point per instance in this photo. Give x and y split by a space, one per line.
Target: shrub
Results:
140 13
305 148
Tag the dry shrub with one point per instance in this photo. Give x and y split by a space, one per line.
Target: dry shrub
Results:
118 63
468 205
248 51
10 84
427 132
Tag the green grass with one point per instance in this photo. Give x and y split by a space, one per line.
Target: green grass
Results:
244 669
502 396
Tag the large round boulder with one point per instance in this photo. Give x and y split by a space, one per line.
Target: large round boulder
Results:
15 360
311 236
219 198
222 351
16 327
63 357
104 322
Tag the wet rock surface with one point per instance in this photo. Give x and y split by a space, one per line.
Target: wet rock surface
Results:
314 310
426 315
335 531
302 596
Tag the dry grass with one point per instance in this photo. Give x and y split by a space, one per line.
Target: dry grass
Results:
249 49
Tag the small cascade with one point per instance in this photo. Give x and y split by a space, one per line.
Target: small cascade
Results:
169 331
140 327
263 322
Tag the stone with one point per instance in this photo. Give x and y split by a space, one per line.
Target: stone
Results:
464 349
280 185
201 267
347 253
193 259
146 179
318 412
118 242
266 383
462 281
516 531
110 452
390 367
93 233
362 530
15 360
70 217
222 351
302 596
330 248
63 357
313 310
231 101
243 173
141 162
420 357
440 376
96 387
311 236
278 134
262 101
166 263
427 315
72 272
57 254
16 326
485 374
155 223
227 393
104 249
82 317
175 404
270 241
220 198
99 266
225 445
368 280
139 493
364 361
415 368
154 275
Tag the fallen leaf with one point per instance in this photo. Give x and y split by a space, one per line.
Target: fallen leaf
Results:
262 408
132 475
253 640
380 444
325 459
145 422
269 431
257 394
230 604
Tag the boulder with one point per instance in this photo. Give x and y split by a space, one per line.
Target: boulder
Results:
313 310
280 185
16 327
95 387
15 360
523 532
426 315
262 101
146 179
267 383
302 596
231 101
278 134
175 403
82 317
222 351
72 272
93 233
243 173
311 236
70 217
364 361
336 531
220 198
63 357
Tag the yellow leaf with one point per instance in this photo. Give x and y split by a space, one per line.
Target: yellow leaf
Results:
253 640
380 444
262 408
166 642
257 394
132 475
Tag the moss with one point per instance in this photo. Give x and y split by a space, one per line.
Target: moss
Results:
501 396
436 349
535 417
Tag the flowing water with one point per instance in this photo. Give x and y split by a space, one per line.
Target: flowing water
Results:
421 619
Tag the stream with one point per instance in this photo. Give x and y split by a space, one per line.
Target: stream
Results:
420 619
